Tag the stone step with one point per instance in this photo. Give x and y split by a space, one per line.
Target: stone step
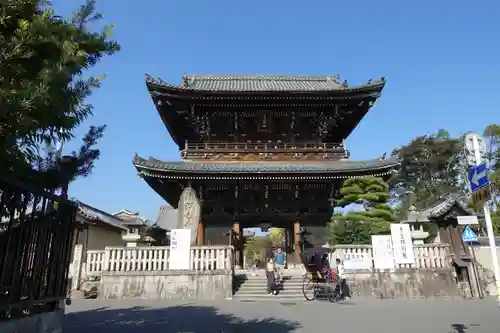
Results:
264 280
254 287
266 295
261 293
271 299
263 285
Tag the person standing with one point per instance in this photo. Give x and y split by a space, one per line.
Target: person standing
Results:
341 276
280 260
271 279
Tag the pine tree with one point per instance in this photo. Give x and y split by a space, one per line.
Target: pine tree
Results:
43 59
371 194
432 168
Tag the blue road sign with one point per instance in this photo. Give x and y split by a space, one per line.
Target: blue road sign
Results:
478 177
469 236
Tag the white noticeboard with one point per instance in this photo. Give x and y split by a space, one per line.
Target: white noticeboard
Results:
357 261
383 255
180 248
467 220
402 244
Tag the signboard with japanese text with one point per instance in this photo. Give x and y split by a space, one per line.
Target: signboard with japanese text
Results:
402 244
180 249
360 260
383 256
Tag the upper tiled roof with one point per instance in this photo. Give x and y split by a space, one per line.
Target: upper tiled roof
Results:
345 166
261 83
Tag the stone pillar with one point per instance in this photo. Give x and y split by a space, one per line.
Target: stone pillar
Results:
76 267
200 233
296 237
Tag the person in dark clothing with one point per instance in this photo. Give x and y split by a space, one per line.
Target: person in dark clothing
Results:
271 278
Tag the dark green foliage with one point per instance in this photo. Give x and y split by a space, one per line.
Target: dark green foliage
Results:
492 136
356 227
43 59
432 168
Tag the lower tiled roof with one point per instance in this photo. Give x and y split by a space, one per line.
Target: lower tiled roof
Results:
345 166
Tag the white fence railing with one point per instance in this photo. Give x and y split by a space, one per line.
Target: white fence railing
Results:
157 258
426 255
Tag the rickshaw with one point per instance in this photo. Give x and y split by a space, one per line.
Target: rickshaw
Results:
319 280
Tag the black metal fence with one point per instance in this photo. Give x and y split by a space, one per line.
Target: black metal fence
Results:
36 241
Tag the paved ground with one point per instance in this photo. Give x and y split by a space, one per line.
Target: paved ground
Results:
388 316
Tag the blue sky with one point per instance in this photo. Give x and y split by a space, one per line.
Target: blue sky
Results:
441 60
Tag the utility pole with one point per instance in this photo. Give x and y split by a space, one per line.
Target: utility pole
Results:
475 149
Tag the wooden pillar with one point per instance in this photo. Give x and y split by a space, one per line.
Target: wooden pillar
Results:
200 233
296 237
237 242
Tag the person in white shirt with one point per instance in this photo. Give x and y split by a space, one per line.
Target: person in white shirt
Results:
341 282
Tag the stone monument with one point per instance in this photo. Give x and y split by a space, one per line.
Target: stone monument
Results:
189 212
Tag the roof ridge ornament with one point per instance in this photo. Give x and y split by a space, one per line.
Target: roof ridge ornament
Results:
336 78
152 80
186 80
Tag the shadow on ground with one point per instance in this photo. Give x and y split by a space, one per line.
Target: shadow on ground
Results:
461 328
189 318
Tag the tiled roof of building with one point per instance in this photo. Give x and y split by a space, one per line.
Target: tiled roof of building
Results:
93 214
261 83
436 211
344 166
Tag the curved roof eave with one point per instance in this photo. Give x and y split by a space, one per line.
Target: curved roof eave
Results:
271 168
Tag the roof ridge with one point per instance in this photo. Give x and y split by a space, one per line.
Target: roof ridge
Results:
257 77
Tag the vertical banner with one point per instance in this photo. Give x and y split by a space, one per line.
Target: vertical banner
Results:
402 244
180 249
383 255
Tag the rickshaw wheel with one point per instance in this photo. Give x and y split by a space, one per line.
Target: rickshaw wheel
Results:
334 295
309 289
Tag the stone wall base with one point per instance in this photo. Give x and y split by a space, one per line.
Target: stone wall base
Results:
404 283
167 285
49 322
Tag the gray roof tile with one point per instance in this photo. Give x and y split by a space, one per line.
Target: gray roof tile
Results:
94 214
260 83
436 211
345 166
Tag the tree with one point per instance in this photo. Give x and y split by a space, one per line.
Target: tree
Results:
43 59
495 219
374 216
278 237
432 167
492 135
256 248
